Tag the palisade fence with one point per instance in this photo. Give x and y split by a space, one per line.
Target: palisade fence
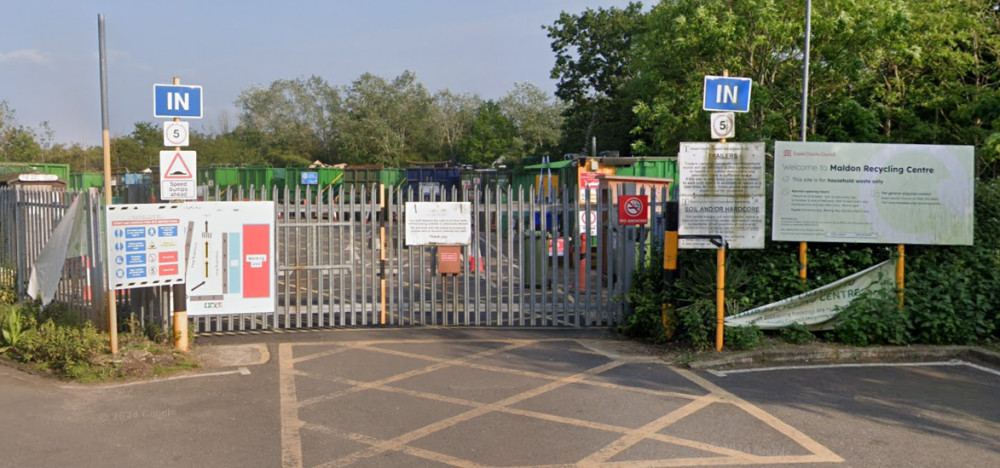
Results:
28 217
342 260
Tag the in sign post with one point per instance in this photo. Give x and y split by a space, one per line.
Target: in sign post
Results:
177 101
727 94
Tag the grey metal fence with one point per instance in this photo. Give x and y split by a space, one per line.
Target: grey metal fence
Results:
342 260
28 216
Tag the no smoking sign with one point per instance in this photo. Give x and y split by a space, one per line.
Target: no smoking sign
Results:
633 210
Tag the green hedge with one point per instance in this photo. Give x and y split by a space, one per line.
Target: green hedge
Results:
952 293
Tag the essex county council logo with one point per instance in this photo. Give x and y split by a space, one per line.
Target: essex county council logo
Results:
788 153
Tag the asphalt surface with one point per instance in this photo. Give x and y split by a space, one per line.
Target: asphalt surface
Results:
499 397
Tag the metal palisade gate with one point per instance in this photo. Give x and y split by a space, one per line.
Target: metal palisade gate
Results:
342 260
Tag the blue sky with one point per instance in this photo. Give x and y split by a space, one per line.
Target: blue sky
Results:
49 68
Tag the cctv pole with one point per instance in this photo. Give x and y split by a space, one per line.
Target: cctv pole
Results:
106 141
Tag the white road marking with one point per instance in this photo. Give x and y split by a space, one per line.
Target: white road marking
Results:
953 362
240 371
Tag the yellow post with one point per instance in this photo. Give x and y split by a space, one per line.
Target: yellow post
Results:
180 291
106 141
382 281
803 260
900 273
671 240
112 304
720 293
720 298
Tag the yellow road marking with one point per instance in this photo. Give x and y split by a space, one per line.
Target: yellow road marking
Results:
292 425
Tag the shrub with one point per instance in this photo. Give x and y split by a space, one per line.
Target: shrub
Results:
61 347
7 296
14 321
696 325
873 317
743 338
796 333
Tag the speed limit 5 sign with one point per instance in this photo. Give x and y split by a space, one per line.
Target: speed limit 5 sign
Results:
175 133
723 125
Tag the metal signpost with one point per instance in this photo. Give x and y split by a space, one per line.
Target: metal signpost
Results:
177 170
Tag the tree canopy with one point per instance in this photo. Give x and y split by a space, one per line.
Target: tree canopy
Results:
880 70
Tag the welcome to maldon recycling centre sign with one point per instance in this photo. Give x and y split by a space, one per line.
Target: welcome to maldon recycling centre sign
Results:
873 193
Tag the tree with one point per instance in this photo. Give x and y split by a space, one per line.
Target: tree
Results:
389 122
297 120
536 116
492 136
593 65
453 115
881 71
16 142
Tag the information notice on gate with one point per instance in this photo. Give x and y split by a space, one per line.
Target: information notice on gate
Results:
438 223
722 194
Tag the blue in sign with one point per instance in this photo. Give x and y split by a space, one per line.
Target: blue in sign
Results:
136 272
152 232
119 260
176 101
119 246
118 232
119 273
135 259
726 94
135 246
135 233
168 231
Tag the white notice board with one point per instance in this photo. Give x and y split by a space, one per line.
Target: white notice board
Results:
438 223
873 193
230 261
722 194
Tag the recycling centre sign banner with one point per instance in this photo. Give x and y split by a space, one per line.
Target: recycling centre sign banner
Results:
873 193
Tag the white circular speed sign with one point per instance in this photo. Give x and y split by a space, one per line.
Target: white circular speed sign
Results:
723 125
175 133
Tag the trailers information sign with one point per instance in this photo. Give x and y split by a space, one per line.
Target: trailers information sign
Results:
722 194
873 193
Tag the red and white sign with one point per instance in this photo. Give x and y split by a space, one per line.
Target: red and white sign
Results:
177 170
633 210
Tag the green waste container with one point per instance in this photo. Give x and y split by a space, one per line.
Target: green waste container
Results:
535 252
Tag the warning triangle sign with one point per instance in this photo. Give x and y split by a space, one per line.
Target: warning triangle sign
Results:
178 169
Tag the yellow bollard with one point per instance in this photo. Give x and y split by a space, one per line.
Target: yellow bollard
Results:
720 299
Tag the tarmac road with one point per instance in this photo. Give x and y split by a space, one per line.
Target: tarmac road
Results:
498 397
